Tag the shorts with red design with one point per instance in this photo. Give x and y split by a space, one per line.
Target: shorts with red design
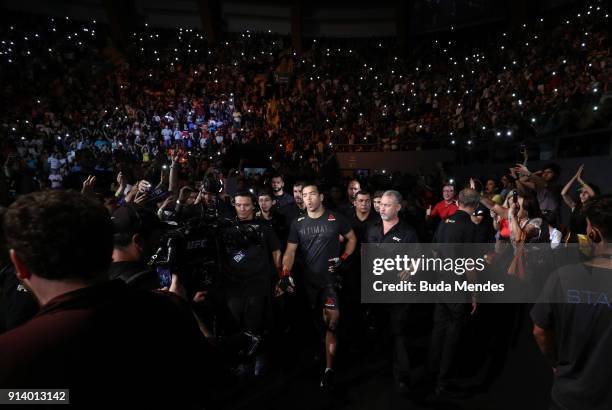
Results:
325 297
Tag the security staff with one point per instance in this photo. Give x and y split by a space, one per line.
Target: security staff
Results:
450 318
390 230
361 217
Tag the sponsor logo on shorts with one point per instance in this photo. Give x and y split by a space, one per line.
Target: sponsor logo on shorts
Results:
239 256
330 303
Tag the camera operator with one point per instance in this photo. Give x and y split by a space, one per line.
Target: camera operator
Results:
212 201
185 204
207 202
137 232
252 258
98 338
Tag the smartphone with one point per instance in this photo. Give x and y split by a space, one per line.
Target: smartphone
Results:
515 198
165 276
144 186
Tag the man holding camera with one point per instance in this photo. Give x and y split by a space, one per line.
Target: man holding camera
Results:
137 232
207 202
252 258
211 193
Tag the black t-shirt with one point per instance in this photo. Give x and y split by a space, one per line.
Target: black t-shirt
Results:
278 223
249 269
401 232
283 200
136 274
577 223
291 212
582 334
457 228
361 227
345 208
318 241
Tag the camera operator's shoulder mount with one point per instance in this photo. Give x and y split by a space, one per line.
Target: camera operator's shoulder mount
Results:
191 243
195 247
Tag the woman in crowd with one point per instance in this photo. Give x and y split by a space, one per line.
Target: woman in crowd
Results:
577 221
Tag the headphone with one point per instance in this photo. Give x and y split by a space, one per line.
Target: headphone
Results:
212 185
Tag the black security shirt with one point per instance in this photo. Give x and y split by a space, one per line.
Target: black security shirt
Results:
361 227
401 232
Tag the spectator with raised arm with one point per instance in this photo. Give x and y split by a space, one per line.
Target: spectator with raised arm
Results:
544 183
577 221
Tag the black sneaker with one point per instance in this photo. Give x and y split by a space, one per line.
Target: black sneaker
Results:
327 381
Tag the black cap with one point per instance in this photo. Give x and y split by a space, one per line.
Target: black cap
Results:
130 219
